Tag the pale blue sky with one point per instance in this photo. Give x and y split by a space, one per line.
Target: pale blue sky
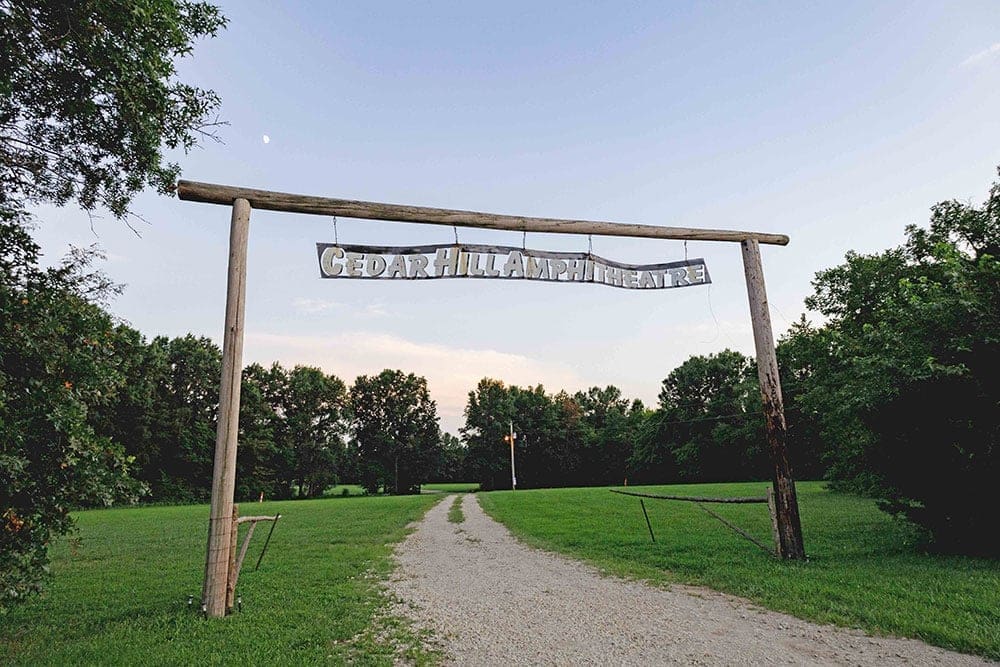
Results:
835 123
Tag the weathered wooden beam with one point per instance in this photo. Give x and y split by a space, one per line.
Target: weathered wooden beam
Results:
233 543
786 504
221 523
695 499
211 193
255 519
243 554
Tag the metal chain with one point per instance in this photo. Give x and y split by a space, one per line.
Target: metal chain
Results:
336 241
455 229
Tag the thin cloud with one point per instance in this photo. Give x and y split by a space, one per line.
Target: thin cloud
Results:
982 55
375 310
312 306
451 372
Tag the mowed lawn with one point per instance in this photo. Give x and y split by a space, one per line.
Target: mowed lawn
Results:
864 569
452 487
120 595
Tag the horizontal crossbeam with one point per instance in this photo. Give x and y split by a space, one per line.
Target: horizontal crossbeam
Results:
211 193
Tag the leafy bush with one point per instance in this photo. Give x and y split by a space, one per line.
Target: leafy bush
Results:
903 375
57 362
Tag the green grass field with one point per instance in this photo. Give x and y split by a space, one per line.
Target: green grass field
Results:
864 569
120 595
456 487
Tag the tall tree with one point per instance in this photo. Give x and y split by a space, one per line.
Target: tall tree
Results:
395 428
488 413
551 442
451 467
907 378
89 102
58 362
89 98
611 430
261 466
182 418
709 425
312 408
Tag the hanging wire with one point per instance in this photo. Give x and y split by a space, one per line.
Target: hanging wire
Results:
335 240
685 251
714 318
590 244
455 229
524 240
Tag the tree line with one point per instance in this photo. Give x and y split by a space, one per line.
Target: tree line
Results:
301 430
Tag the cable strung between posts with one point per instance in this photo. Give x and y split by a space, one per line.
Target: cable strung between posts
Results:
738 530
699 502
741 500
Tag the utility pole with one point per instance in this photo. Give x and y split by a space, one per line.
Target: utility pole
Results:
511 437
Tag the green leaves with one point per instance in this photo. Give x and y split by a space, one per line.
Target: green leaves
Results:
56 368
395 431
902 378
91 99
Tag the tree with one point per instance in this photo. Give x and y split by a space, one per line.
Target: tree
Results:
802 359
89 102
395 428
58 362
709 425
261 466
312 408
488 413
90 98
905 373
551 438
611 426
183 418
451 467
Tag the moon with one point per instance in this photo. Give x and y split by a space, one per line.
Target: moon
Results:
266 139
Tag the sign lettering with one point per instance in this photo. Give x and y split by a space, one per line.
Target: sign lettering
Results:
502 262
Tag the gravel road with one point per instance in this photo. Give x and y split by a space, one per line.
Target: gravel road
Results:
491 600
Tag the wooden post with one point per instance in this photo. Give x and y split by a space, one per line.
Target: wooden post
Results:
772 510
224 472
231 577
786 505
243 552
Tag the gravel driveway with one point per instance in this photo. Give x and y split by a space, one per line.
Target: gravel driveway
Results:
491 600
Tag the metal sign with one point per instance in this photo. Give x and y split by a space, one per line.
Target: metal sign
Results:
361 262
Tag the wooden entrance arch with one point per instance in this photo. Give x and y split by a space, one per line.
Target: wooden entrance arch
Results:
242 200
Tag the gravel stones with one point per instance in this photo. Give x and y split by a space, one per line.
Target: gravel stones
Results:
491 600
